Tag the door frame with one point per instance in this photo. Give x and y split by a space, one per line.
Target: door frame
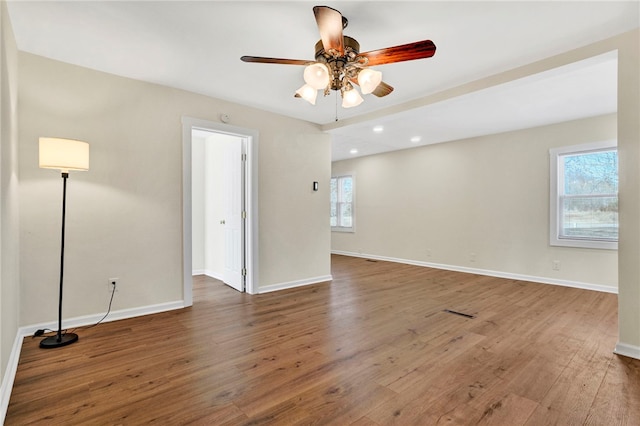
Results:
250 138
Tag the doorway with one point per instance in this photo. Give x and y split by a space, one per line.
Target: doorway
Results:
227 199
217 199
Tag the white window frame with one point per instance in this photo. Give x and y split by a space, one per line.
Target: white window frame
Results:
555 191
351 228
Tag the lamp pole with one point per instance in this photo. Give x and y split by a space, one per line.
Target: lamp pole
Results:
67 338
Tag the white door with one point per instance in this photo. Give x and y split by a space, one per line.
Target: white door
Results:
233 220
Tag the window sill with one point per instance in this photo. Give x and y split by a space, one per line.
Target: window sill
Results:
348 230
591 244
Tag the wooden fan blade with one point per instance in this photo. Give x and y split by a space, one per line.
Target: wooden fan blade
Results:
406 52
330 26
262 60
383 89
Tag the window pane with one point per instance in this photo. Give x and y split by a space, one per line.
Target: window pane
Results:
345 215
591 173
584 195
334 190
346 187
589 217
334 214
341 207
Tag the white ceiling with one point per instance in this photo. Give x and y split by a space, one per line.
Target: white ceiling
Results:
197 46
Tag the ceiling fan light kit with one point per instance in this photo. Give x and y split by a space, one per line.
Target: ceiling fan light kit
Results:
369 80
351 98
308 93
317 75
339 65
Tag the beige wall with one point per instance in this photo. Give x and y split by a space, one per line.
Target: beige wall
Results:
124 214
9 269
480 203
629 150
299 224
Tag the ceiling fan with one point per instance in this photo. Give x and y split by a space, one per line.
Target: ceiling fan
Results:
339 65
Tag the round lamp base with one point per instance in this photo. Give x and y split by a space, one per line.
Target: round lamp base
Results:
53 342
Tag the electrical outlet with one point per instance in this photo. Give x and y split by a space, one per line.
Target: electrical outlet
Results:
472 257
113 282
555 265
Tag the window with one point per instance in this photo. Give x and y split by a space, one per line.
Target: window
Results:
342 203
584 196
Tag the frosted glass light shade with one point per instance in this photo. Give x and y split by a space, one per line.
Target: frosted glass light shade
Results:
351 98
63 154
308 93
317 75
368 80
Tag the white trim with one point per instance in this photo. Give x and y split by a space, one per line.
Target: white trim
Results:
343 229
29 330
251 202
113 316
213 275
207 272
293 284
10 375
627 350
490 273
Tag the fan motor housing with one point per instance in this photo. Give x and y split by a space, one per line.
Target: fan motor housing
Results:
350 45
338 63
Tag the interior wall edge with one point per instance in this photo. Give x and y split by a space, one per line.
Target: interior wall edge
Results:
10 374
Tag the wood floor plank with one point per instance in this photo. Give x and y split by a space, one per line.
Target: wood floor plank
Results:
372 347
508 410
572 395
618 399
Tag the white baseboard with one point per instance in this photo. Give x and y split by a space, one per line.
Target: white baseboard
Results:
12 365
113 316
272 287
208 273
627 350
213 275
10 375
292 284
498 274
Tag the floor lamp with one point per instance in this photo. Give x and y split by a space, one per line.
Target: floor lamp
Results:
64 155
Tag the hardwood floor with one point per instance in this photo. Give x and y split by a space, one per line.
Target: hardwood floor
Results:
373 347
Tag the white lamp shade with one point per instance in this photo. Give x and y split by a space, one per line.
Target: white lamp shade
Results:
64 154
317 75
308 93
368 80
351 98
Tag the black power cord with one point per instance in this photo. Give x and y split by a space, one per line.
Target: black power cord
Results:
42 331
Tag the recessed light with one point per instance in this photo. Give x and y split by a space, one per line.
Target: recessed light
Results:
378 129
354 151
416 139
